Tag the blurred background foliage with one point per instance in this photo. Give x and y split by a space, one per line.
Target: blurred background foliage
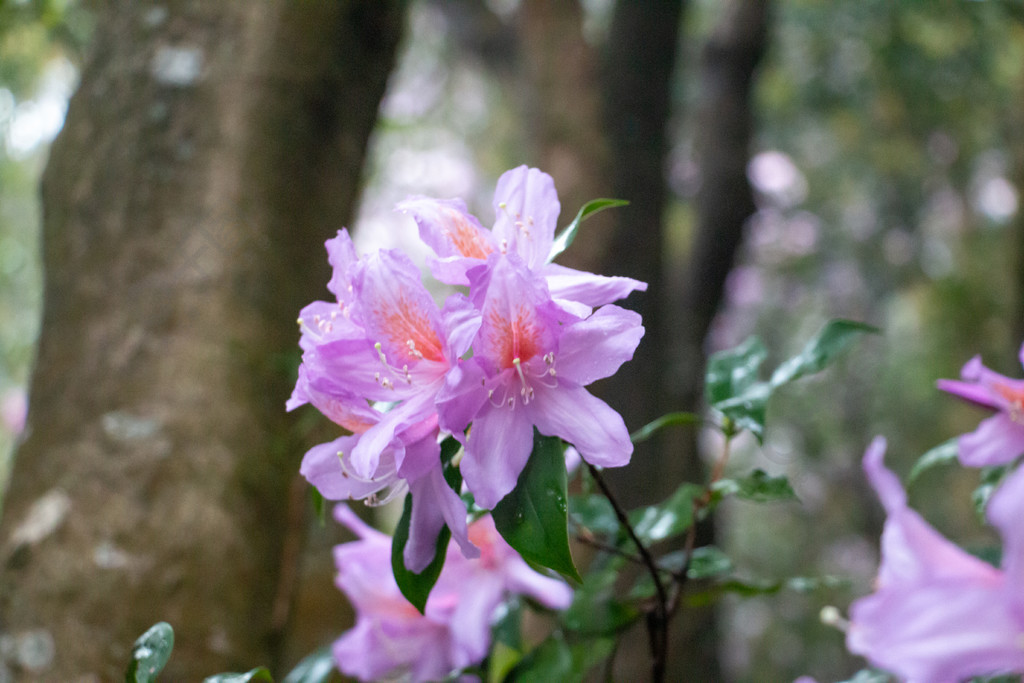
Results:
888 162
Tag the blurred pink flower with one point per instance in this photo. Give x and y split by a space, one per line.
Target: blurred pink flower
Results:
14 410
938 614
391 639
999 439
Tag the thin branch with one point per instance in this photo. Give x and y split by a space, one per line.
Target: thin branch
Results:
657 621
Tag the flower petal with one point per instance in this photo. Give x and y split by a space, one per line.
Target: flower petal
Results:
585 421
322 466
595 348
527 208
497 448
997 441
936 632
588 288
434 505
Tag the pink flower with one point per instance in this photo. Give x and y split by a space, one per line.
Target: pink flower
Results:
391 639
1000 438
531 361
938 614
386 342
526 207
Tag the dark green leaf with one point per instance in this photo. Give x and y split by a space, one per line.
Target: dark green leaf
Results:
671 419
550 661
566 237
556 660
942 454
666 519
747 411
150 653
732 372
314 668
758 487
258 674
708 562
834 338
507 623
594 609
319 505
533 518
594 513
416 587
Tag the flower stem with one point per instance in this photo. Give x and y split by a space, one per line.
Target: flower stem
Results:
657 619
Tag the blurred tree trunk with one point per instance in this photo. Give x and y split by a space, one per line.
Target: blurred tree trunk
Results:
209 151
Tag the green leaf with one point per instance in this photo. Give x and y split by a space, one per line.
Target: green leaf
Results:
732 372
314 668
257 674
758 487
991 477
942 454
708 562
834 338
416 587
557 660
747 411
150 653
666 519
870 676
595 611
566 237
671 419
594 513
533 518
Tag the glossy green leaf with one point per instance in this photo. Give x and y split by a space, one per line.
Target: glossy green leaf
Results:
257 674
747 411
594 513
708 562
834 338
416 587
595 611
566 237
758 487
557 660
150 653
669 518
732 372
669 420
945 453
533 518
314 668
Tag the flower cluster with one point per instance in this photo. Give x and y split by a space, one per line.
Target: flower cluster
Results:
391 639
939 614
511 354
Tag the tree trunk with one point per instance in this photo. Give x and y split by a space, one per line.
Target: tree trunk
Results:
208 152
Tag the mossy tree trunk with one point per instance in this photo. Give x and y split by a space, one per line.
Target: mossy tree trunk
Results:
209 151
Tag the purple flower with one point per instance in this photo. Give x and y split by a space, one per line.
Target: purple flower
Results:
385 341
939 614
530 365
391 639
1000 438
526 207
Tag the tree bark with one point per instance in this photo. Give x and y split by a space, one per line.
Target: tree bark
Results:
207 154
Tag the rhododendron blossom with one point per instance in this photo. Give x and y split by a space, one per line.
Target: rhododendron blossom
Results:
526 208
999 439
391 639
513 354
938 614
531 361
